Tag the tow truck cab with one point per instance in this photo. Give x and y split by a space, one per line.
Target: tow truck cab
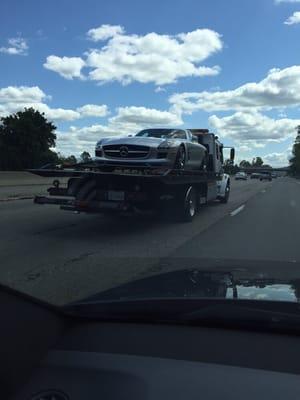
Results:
214 149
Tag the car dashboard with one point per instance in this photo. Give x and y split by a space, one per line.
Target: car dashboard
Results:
47 355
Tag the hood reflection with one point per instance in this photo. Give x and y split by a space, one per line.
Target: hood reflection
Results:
235 284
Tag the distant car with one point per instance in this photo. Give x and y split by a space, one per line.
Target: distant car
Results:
274 175
172 148
255 175
265 176
241 176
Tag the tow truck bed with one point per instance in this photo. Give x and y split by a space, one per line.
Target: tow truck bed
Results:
168 176
97 188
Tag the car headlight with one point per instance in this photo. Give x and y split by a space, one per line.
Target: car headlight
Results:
164 145
99 144
98 149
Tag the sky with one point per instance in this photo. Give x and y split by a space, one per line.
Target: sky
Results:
99 69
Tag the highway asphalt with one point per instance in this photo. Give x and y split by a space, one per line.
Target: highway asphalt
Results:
60 257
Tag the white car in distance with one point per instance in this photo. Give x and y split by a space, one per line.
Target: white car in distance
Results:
241 176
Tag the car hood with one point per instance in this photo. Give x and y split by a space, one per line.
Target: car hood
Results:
228 279
142 141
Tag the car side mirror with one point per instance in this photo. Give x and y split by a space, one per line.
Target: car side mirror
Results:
232 154
195 139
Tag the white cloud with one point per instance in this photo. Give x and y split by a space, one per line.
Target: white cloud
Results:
277 159
142 116
282 114
125 58
159 89
286 1
293 19
67 67
243 148
127 120
56 114
253 129
16 98
93 110
281 88
16 46
105 32
21 94
154 58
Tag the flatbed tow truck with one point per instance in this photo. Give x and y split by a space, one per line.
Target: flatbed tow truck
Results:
128 188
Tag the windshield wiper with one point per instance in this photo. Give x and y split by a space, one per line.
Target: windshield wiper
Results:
194 311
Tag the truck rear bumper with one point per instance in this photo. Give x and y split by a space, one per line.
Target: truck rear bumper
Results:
54 200
96 206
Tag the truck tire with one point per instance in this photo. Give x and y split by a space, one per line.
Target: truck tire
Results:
225 199
187 205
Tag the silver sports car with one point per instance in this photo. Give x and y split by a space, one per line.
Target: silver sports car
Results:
172 148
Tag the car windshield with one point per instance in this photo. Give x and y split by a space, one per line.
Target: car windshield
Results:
161 133
98 205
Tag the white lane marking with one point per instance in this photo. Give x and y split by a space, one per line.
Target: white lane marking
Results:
238 210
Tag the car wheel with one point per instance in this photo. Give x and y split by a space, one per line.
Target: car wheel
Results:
180 158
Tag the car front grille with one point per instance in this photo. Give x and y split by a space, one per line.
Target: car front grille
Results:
126 151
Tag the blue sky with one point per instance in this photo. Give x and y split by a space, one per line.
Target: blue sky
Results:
103 68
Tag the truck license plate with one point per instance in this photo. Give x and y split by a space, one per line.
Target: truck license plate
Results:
115 195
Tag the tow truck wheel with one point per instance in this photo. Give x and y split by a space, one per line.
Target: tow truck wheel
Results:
227 193
189 205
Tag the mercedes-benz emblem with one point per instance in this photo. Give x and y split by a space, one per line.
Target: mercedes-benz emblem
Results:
123 151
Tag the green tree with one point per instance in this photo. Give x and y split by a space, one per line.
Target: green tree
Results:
257 162
70 160
245 164
25 140
60 158
295 159
63 160
230 168
85 156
